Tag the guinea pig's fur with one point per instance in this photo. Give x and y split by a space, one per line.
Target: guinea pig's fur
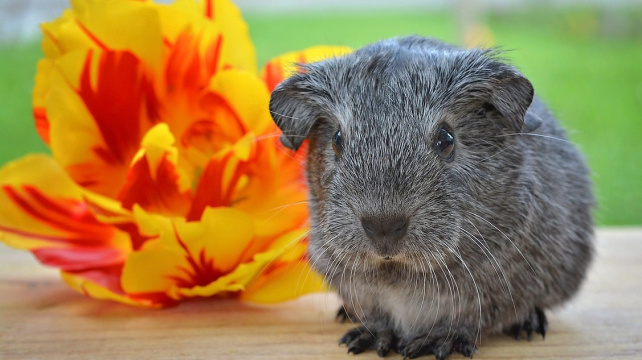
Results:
433 247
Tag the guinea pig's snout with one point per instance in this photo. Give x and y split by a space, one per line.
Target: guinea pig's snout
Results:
385 232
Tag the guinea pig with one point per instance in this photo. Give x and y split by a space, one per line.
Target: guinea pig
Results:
446 203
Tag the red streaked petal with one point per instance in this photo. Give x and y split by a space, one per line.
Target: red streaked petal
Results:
65 234
213 190
116 103
272 75
79 258
108 277
183 70
220 128
105 284
42 123
159 192
209 9
68 216
91 35
212 55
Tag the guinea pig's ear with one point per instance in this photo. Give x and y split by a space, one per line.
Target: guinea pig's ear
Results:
511 95
294 110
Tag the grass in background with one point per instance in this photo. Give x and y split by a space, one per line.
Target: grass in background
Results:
592 82
17 131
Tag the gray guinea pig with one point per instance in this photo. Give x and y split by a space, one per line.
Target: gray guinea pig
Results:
446 202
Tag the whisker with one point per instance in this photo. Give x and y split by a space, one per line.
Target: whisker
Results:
538 135
463 262
507 238
283 115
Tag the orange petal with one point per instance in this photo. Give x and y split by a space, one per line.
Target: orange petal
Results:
283 66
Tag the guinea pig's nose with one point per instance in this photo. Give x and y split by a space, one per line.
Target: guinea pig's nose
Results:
384 227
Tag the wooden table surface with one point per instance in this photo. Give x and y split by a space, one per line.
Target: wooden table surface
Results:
40 318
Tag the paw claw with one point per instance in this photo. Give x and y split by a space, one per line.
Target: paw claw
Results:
542 321
535 322
361 339
351 335
383 345
355 350
342 315
441 347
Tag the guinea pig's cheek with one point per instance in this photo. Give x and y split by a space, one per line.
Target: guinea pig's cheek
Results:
316 171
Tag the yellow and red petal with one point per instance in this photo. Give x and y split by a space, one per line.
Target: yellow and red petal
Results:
201 254
186 72
223 234
247 95
220 180
109 25
154 182
96 130
275 193
58 226
250 264
64 35
283 66
212 18
99 285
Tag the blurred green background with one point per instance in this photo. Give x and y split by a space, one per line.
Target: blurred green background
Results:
586 63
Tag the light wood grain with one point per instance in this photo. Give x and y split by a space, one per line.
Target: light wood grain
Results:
40 318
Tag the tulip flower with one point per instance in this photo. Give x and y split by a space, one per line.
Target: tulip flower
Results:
166 180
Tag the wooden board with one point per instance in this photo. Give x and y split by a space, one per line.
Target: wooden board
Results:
40 318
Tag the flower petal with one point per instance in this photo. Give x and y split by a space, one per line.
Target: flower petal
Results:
283 66
154 182
207 254
95 132
275 193
284 282
247 95
109 24
96 286
64 35
57 226
219 181
151 271
211 18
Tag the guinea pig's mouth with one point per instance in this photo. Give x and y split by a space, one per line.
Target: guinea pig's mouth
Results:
387 258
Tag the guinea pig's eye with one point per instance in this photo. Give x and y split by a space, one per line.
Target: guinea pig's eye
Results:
445 144
337 144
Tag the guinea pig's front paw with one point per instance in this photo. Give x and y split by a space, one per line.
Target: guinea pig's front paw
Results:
364 338
535 322
440 346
